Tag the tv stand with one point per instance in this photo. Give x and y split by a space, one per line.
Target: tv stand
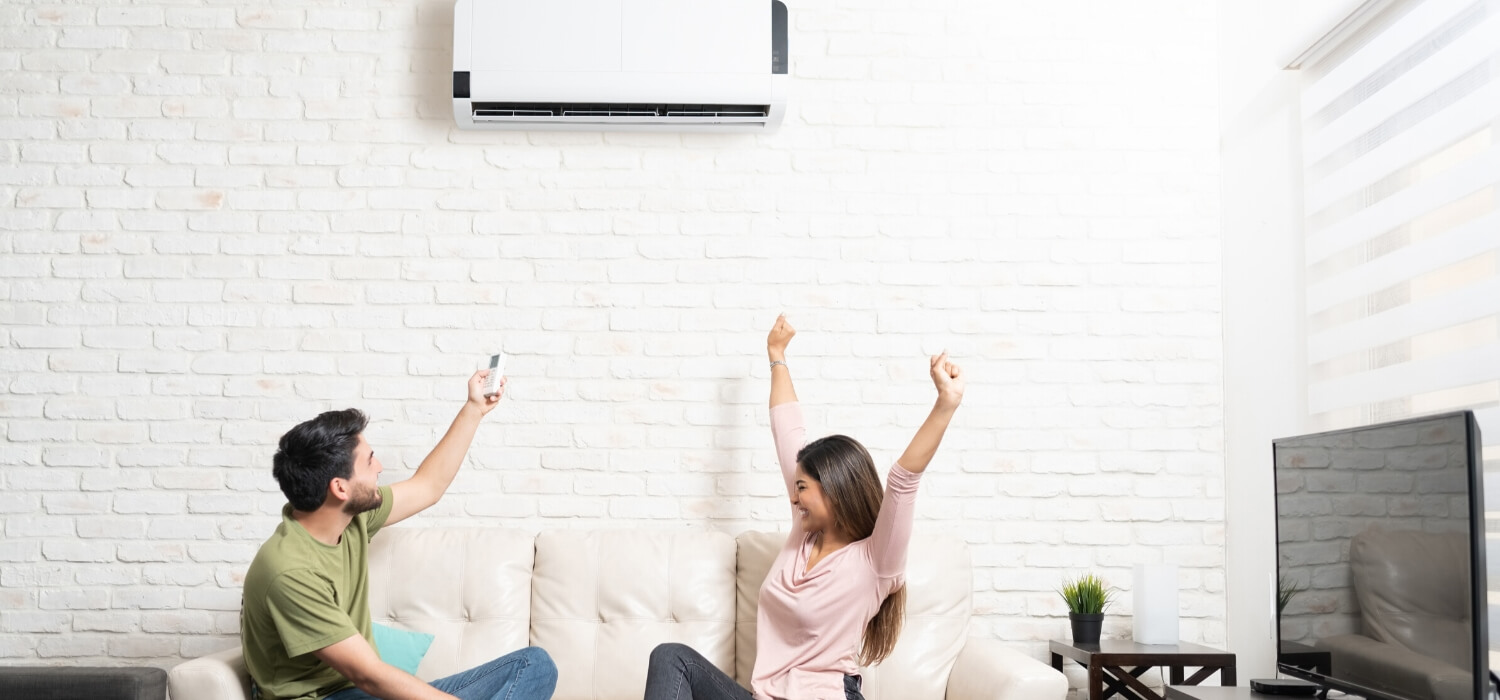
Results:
1290 687
1208 692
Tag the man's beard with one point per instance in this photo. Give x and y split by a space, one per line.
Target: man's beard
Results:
364 498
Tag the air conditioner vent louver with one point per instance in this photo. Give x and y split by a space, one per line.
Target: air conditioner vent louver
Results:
564 112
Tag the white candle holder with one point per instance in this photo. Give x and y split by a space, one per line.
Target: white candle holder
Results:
1154 593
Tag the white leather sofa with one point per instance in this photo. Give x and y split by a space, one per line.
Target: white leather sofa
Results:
600 601
1412 589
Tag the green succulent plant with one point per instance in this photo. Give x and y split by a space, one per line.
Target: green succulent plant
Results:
1086 594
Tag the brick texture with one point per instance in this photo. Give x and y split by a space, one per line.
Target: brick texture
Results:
218 221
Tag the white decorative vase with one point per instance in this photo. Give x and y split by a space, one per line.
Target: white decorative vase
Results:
1154 594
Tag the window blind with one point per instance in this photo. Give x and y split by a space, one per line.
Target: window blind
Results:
1401 191
1401 165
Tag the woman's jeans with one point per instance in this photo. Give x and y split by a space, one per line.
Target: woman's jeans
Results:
677 672
528 674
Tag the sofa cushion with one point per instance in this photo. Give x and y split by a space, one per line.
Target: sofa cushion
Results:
938 605
401 648
757 552
602 600
1413 590
470 588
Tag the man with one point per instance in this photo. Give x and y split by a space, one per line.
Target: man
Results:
305 624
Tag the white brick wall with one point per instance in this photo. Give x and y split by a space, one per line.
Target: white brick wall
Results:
218 221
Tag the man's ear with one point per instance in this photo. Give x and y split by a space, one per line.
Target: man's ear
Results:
338 489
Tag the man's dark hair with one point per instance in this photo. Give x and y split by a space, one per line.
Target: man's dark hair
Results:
315 453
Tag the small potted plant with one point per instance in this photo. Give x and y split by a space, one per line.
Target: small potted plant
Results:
1087 597
1285 589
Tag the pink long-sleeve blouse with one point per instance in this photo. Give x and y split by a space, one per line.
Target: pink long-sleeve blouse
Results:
811 623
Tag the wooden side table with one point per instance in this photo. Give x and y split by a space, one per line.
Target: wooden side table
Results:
1212 693
1115 665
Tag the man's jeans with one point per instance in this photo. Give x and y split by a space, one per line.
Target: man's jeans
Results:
528 674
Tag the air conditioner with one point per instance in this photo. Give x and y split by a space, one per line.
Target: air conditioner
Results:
619 65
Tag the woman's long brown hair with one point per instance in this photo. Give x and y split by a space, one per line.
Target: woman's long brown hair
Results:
847 475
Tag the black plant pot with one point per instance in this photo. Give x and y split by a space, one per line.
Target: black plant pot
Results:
1086 627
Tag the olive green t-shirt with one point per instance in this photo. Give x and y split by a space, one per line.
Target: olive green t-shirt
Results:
302 595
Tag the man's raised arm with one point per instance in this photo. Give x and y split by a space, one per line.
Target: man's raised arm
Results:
436 472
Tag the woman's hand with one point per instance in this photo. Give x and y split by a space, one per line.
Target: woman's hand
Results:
779 337
948 377
781 379
949 380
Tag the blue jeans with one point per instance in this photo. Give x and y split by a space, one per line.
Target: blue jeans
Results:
527 674
678 672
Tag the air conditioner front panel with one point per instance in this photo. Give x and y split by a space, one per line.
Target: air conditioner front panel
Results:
547 86
550 35
700 36
628 64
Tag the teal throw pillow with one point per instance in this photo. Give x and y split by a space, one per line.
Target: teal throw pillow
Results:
401 648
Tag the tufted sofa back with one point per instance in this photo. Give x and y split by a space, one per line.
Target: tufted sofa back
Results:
600 601
469 587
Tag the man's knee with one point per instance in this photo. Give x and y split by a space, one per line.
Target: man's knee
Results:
538 661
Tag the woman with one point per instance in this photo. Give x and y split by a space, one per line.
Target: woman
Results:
834 598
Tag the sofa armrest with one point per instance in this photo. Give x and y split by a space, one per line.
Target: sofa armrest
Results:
988 670
218 676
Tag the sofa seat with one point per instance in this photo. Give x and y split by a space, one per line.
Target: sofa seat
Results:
1413 593
599 601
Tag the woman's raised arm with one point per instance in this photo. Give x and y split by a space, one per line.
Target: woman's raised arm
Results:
781 377
787 428
949 380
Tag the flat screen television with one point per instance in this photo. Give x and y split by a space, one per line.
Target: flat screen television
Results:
1380 559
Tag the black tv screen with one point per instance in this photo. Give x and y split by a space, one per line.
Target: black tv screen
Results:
1380 559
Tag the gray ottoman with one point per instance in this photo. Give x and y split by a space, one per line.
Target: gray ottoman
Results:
87 683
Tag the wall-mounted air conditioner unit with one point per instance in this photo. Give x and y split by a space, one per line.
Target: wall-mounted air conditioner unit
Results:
619 65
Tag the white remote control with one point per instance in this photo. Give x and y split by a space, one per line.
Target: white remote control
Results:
497 370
